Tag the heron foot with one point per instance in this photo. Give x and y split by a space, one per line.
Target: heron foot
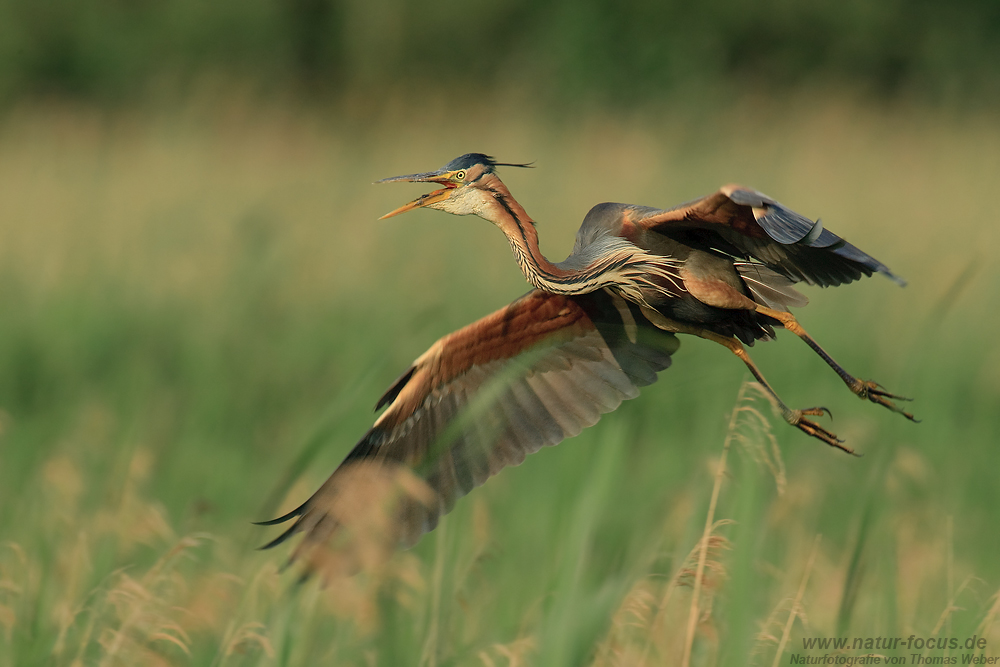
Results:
809 427
876 393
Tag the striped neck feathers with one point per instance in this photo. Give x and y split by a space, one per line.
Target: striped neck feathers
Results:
609 261
506 213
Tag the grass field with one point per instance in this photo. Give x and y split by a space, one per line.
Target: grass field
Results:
198 309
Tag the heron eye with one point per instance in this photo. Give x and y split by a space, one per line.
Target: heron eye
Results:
460 175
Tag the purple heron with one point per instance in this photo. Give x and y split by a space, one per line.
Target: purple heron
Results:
597 327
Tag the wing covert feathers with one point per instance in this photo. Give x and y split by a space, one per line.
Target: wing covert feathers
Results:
480 399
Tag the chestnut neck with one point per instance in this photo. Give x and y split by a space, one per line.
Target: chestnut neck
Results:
506 213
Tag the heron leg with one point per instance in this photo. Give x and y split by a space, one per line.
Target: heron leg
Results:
865 389
794 417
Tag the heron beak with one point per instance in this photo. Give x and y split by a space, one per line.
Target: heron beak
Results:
442 177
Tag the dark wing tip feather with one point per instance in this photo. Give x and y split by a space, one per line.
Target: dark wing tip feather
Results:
871 264
757 226
280 538
298 511
790 228
390 395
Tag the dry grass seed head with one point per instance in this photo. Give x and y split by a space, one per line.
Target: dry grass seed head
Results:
754 433
988 626
13 579
145 611
516 652
715 546
248 636
630 626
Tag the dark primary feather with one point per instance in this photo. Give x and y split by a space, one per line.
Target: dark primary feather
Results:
529 375
758 227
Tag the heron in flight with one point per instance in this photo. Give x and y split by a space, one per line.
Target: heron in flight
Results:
596 327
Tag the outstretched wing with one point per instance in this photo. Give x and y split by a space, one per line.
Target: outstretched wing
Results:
529 375
755 225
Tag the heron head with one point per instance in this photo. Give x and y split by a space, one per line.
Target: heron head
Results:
465 182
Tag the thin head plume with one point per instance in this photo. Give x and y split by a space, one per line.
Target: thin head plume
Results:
469 159
523 165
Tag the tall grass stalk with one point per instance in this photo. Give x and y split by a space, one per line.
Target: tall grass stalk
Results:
796 610
720 472
429 654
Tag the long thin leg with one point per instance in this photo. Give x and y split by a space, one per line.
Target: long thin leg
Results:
793 417
865 389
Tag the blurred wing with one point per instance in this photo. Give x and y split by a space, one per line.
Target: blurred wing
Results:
759 227
531 374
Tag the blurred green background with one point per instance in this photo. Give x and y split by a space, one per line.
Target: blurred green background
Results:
594 50
198 309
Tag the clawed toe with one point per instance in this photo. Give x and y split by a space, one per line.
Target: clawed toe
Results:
875 393
809 427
